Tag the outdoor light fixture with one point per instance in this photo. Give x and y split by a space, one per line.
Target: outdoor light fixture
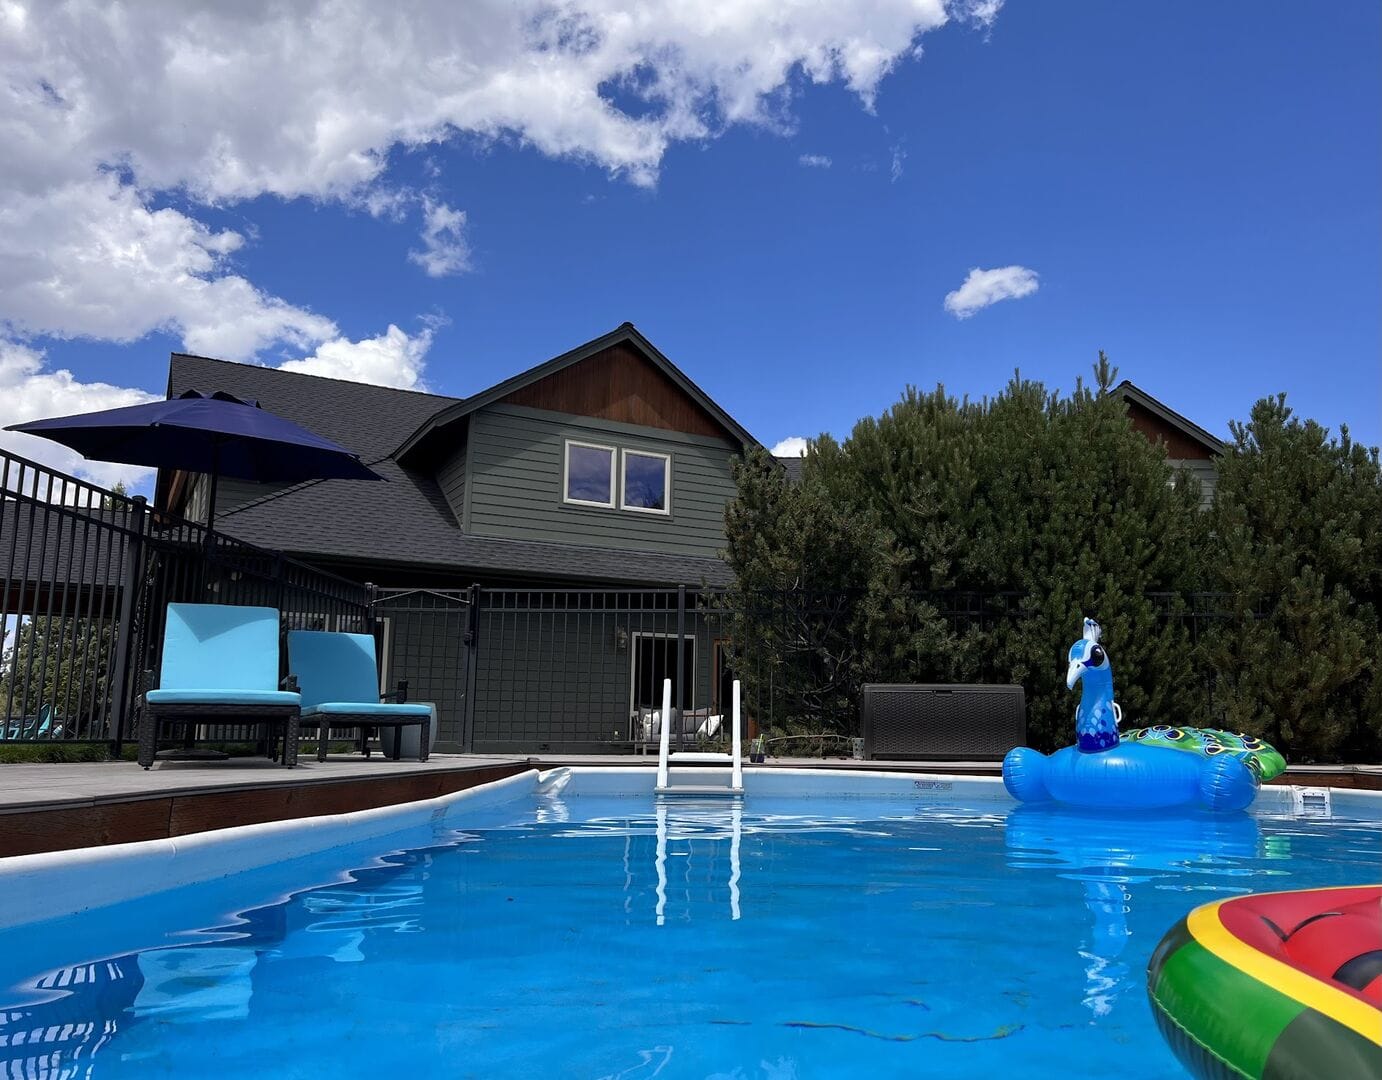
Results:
621 638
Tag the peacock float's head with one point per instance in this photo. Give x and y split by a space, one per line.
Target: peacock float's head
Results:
1087 658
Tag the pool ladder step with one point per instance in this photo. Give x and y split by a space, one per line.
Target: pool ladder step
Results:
696 774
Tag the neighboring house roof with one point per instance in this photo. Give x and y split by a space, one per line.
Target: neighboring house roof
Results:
624 333
792 466
1135 395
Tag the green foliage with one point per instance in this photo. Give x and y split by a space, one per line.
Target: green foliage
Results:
1053 507
51 753
58 663
1297 521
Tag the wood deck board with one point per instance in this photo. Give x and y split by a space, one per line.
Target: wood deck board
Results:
58 807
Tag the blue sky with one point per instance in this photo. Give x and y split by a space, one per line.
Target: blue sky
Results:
1196 188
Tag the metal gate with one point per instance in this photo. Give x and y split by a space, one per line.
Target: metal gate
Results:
425 637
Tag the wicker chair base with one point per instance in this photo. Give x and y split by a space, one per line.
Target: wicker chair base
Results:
271 716
367 723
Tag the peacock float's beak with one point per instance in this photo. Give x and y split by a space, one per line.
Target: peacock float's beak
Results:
1073 673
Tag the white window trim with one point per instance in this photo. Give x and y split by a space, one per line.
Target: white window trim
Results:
666 510
566 473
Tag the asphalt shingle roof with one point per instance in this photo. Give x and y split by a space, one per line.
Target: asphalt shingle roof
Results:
406 519
792 466
369 420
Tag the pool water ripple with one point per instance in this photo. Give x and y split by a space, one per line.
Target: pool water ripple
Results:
608 938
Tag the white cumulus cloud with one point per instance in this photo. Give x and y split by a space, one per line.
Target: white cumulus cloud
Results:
792 446
31 391
90 259
444 247
394 358
814 161
232 101
121 122
984 287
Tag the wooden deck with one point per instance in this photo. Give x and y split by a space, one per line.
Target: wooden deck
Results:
56 807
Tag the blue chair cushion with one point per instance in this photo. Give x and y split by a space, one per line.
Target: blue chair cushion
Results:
333 667
364 708
220 647
222 697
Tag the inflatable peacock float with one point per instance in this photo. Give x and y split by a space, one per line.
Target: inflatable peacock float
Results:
1144 768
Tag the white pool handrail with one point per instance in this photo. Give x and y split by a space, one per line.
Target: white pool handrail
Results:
664 744
737 770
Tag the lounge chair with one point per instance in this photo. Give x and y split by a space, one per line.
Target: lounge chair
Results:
340 689
39 726
220 663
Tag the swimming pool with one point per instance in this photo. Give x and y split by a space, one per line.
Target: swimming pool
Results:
592 934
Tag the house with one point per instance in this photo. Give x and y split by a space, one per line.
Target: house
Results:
586 497
605 464
605 469
1188 446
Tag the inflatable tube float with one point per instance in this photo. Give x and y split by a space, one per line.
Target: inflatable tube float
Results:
1275 985
1147 768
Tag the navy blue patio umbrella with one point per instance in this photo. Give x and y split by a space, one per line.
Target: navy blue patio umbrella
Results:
217 434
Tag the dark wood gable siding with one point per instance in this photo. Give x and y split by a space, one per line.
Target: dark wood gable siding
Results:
618 384
1179 446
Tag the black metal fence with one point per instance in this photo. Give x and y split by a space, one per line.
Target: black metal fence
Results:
88 573
87 577
518 670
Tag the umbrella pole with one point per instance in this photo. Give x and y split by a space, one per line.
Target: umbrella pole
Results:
211 495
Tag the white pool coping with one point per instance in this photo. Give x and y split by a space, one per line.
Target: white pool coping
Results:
50 885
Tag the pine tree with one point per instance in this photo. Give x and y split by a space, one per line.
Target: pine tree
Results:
807 575
1055 499
1298 545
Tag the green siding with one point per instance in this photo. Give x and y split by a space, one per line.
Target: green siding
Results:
1206 472
515 484
451 480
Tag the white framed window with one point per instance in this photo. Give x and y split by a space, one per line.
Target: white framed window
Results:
645 484
589 474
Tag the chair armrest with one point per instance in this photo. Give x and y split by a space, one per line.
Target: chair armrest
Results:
290 684
398 696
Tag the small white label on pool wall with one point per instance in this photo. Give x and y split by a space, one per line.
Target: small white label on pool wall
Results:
932 785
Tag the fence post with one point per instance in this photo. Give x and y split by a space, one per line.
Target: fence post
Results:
128 651
278 582
470 652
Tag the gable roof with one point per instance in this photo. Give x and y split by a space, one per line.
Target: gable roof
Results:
625 333
1134 394
407 522
362 417
341 520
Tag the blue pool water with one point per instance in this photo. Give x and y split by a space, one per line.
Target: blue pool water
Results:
602 938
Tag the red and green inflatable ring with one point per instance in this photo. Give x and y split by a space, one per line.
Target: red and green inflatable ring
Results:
1286 986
